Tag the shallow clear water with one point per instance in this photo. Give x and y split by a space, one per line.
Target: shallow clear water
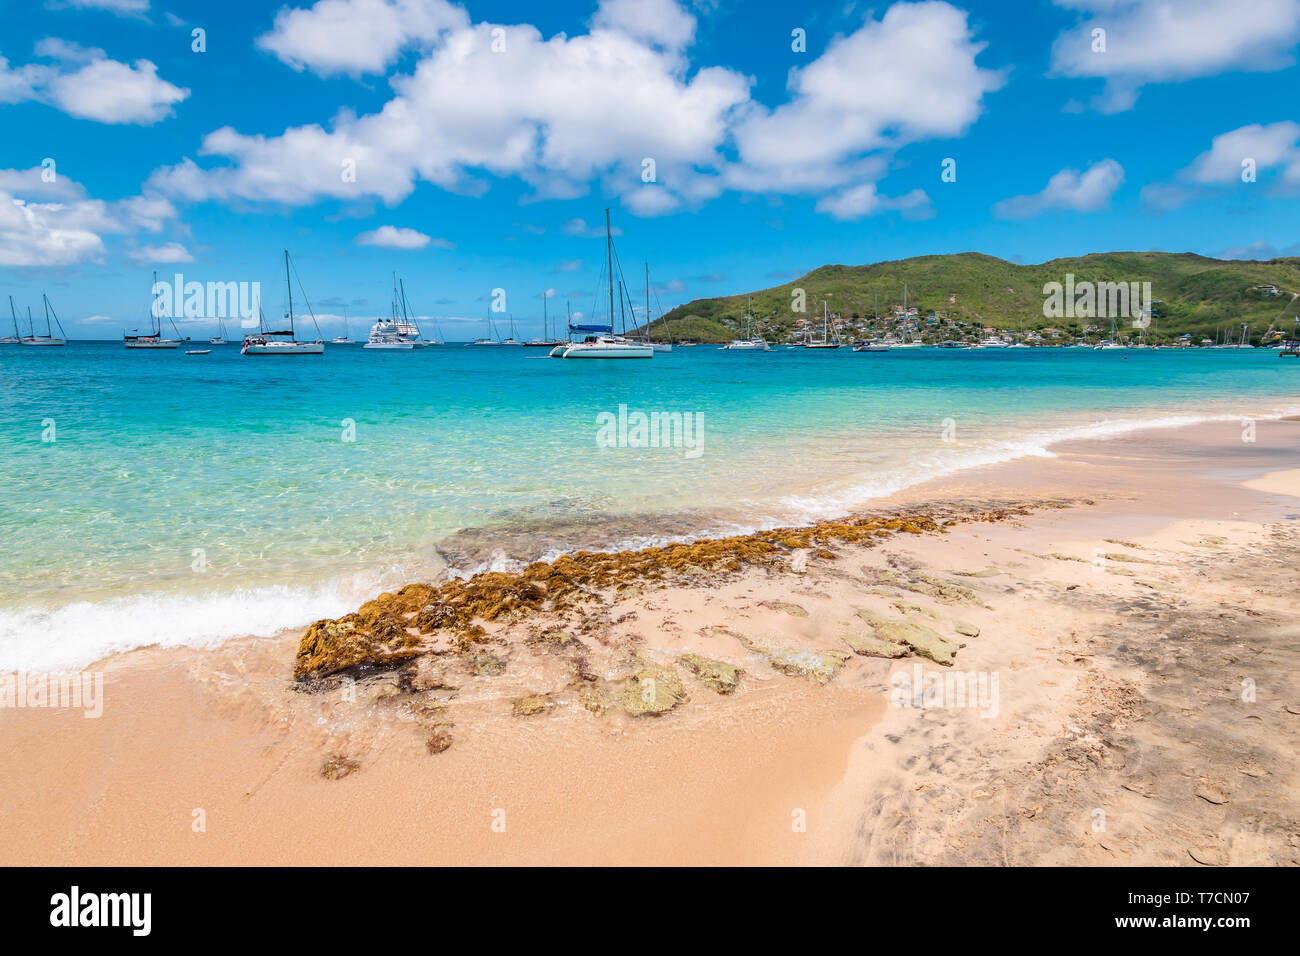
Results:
189 498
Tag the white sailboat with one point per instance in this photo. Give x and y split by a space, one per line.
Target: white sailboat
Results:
344 338
49 338
283 342
511 340
545 342
491 339
602 343
16 338
750 343
218 339
154 338
874 345
825 342
406 324
657 346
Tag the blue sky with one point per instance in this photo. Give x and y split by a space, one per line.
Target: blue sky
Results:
481 168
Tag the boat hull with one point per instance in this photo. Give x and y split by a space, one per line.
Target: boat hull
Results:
285 348
44 342
584 350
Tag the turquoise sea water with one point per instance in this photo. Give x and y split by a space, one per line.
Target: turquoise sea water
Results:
185 499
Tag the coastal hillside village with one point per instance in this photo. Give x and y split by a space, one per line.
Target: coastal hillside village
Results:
970 300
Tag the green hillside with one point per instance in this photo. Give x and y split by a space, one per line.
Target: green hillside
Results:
970 291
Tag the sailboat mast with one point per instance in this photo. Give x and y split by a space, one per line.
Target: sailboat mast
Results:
289 285
14 313
647 302
609 267
49 333
545 327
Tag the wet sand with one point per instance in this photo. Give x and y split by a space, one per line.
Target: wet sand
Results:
1139 619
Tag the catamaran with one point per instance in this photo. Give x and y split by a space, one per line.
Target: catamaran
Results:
283 342
602 343
49 338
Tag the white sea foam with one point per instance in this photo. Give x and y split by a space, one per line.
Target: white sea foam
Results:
944 462
77 634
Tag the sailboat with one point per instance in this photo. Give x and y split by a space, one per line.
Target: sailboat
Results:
343 339
602 343
49 338
874 345
905 344
219 338
16 338
825 342
283 342
511 340
491 338
420 340
545 342
152 339
406 324
749 343
657 346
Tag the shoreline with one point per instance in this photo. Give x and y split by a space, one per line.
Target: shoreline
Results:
478 549
1090 699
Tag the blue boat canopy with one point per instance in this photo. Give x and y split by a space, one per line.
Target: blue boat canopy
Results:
591 328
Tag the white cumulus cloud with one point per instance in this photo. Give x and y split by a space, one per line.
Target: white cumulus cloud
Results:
55 223
1157 41
357 37
391 237
1086 191
566 113
84 82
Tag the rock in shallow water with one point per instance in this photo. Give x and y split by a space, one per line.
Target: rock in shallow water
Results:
532 704
716 675
650 690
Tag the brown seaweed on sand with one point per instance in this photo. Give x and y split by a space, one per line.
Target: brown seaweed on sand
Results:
396 627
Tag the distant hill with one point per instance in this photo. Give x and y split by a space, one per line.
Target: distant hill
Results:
970 291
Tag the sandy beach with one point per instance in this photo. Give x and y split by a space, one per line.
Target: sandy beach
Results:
1085 659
